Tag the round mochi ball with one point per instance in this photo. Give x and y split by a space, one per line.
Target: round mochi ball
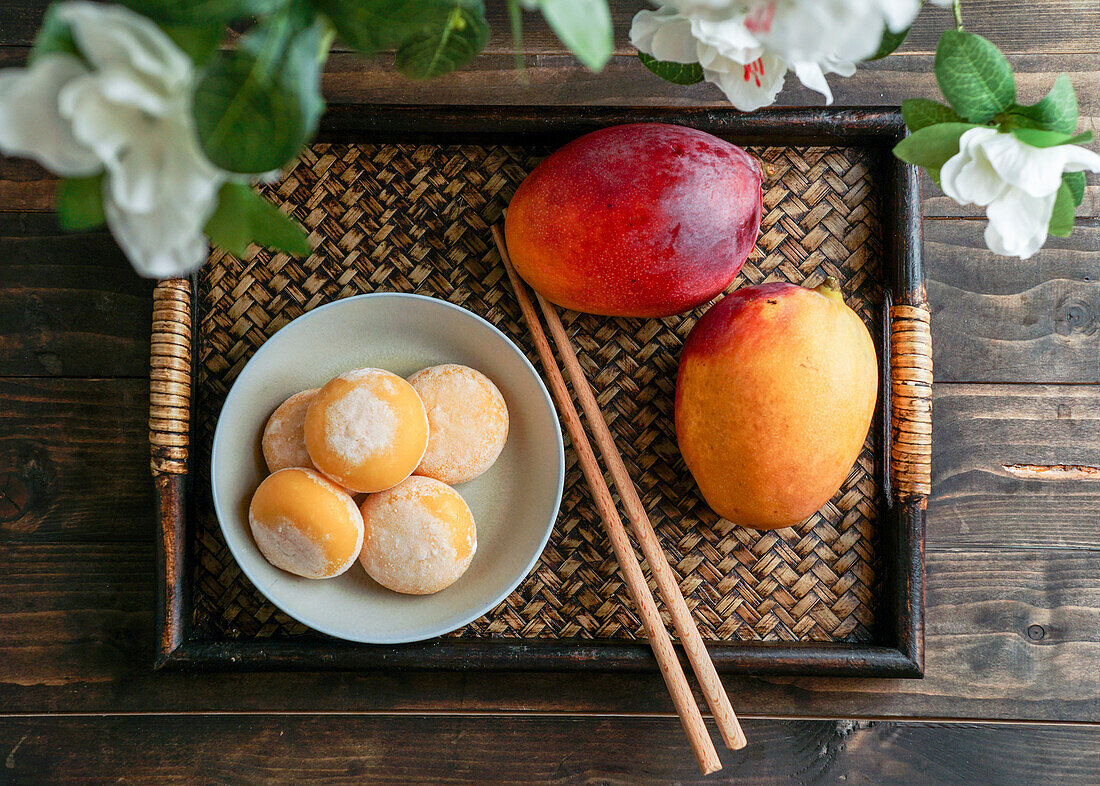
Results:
305 524
284 440
419 536
467 422
366 429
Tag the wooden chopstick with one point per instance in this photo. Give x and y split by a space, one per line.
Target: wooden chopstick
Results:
673 673
667 584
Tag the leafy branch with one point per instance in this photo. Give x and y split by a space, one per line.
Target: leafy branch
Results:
258 103
976 80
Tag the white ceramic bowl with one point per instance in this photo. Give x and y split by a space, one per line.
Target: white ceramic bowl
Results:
515 503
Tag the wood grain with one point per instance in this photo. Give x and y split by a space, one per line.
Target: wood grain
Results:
69 457
70 305
78 637
58 435
992 444
1013 587
997 319
402 749
558 79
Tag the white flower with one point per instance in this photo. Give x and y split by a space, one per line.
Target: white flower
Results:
746 46
731 56
124 109
1015 182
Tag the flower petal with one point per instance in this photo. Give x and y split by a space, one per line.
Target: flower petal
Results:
967 177
663 34
108 128
1078 159
112 35
748 87
1018 223
162 243
1036 170
811 75
728 37
899 14
30 122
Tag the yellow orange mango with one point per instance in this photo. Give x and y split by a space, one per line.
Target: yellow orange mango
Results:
775 393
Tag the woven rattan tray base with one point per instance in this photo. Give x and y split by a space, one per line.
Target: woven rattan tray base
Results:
415 217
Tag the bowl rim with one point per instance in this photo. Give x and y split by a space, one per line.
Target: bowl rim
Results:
481 609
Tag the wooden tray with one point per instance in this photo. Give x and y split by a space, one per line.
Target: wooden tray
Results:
402 199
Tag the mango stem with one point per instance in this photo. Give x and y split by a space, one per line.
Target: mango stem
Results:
830 288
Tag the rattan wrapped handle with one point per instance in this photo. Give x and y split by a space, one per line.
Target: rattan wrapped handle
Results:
911 401
170 377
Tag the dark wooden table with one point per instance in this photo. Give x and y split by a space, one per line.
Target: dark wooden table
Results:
1013 549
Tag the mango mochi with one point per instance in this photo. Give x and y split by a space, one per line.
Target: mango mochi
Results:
419 536
305 524
366 429
284 441
467 418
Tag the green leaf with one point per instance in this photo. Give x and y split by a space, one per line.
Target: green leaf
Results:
584 26
256 107
1056 111
974 76
677 73
80 203
243 216
930 147
372 26
298 45
53 37
444 47
1075 182
246 120
1061 220
890 42
197 11
1037 137
921 112
198 40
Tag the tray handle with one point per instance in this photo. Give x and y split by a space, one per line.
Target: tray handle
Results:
170 378
911 400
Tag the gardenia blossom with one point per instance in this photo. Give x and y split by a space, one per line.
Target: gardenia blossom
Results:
1016 183
122 108
746 47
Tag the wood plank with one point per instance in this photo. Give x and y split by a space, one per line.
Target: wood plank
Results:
74 460
556 78
1011 634
1054 26
58 435
997 319
521 749
70 304
1034 445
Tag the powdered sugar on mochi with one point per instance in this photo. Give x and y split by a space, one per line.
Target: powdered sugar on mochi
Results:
468 422
360 424
285 546
284 443
409 549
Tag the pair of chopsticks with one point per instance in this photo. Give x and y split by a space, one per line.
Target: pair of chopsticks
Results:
667 585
